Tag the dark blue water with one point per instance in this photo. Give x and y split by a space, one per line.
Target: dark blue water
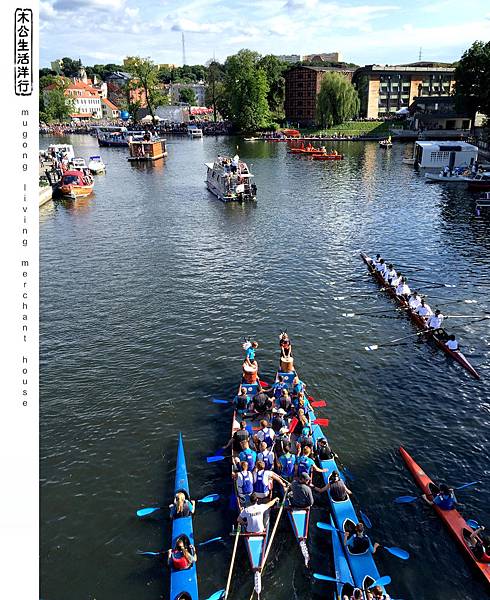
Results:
147 288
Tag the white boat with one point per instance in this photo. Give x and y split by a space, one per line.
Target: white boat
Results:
483 200
437 155
78 164
96 165
230 183
65 150
193 131
445 177
252 139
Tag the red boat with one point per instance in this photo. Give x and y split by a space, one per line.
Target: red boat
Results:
74 184
457 355
452 518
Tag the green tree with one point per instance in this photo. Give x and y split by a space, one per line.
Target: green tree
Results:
472 76
244 101
337 101
274 70
188 95
70 66
215 87
57 107
145 77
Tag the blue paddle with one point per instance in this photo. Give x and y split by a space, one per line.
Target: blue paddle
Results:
220 401
149 553
408 499
386 580
144 512
366 520
217 458
473 524
217 595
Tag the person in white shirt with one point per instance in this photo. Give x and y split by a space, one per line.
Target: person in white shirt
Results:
253 516
390 273
424 310
452 343
265 434
435 320
402 288
414 301
382 268
375 261
396 280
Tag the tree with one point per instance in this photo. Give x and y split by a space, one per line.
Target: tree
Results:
70 67
145 77
472 76
188 95
337 101
274 70
215 88
244 100
57 106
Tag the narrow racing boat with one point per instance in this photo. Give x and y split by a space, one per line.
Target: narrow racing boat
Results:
452 518
457 355
345 583
183 581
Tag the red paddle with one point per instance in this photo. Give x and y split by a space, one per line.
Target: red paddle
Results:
292 425
321 422
318 404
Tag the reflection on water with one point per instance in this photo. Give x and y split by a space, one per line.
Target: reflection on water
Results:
147 289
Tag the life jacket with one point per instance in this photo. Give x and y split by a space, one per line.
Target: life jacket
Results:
303 466
247 482
278 388
444 502
324 452
267 436
249 457
179 562
267 457
259 485
287 465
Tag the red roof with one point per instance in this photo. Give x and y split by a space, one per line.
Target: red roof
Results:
109 104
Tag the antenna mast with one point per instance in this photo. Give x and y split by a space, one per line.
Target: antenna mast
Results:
183 50
420 53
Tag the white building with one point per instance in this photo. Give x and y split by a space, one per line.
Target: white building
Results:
198 88
289 58
86 101
109 110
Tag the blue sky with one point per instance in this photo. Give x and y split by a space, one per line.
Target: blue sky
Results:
373 31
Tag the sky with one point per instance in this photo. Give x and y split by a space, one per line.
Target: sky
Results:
377 31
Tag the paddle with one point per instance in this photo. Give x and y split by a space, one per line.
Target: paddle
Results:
292 425
217 595
321 422
473 524
483 317
372 312
386 580
149 553
366 520
220 401
376 346
144 512
410 499
217 458
319 404
438 283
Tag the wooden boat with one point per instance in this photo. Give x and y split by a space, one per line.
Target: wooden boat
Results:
184 581
327 157
75 184
457 355
147 150
451 518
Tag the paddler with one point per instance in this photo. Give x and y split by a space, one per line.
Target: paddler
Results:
305 464
244 483
285 401
435 320
248 455
286 463
261 403
337 488
278 386
240 435
253 516
263 480
305 439
375 261
300 494
376 593
480 545
396 280
452 343
414 301
445 498
182 507
402 289
298 386
424 310
278 421
323 450
358 542
265 434
381 267
183 555
241 402
266 455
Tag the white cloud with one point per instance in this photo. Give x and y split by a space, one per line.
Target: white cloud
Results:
46 10
193 26
131 12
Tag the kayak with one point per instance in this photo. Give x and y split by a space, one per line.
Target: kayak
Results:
345 584
452 518
457 355
184 581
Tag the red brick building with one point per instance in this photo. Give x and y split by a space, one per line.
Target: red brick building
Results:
302 88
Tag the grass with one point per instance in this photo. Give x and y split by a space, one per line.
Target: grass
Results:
374 128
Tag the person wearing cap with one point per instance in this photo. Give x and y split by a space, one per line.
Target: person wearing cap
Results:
300 494
282 440
278 421
445 498
336 487
287 460
435 320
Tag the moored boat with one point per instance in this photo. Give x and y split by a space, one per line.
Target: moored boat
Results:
230 182
444 177
438 339
386 143
480 183
183 581
147 149
451 518
96 165
75 184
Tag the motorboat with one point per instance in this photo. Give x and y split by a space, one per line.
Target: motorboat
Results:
480 183
96 165
230 182
75 184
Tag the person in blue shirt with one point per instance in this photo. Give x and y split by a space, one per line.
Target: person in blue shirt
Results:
298 386
445 498
277 387
305 464
241 402
250 354
287 463
248 455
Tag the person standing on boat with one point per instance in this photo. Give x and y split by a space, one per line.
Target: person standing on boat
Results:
445 498
263 479
414 301
234 163
244 484
358 542
240 435
286 463
250 354
424 310
434 322
266 455
285 345
253 516
182 507
452 343
300 494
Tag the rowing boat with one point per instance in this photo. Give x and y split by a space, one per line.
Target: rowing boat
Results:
452 518
457 355
255 543
345 583
184 580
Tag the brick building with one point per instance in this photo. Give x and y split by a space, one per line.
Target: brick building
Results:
384 89
302 88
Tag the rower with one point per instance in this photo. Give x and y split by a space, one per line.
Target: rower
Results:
263 480
183 555
286 463
278 386
305 464
435 320
445 498
266 455
480 545
358 542
381 267
396 280
323 450
253 516
376 593
282 440
303 421
238 437
265 434
414 301
337 488
248 455
424 310
302 402
241 402
402 289
390 273
261 402
284 401
182 507
244 483
452 343
375 261
300 494
298 386
250 354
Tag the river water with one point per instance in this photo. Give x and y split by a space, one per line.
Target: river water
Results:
147 288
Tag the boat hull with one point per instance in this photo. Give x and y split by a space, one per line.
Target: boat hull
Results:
76 191
345 584
185 580
419 321
451 518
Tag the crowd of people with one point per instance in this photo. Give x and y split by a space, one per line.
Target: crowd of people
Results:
415 301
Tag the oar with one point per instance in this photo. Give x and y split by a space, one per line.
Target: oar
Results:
410 499
319 404
217 458
220 401
463 300
217 595
386 580
144 512
373 312
483 317
366 520
149 553
473 524
376 346
407 266
232 564
438 283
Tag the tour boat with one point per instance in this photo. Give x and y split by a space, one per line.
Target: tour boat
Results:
457 355
147 150
230 186
386 143
96 165
78 164
74 184
193 131
480 183
66 150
